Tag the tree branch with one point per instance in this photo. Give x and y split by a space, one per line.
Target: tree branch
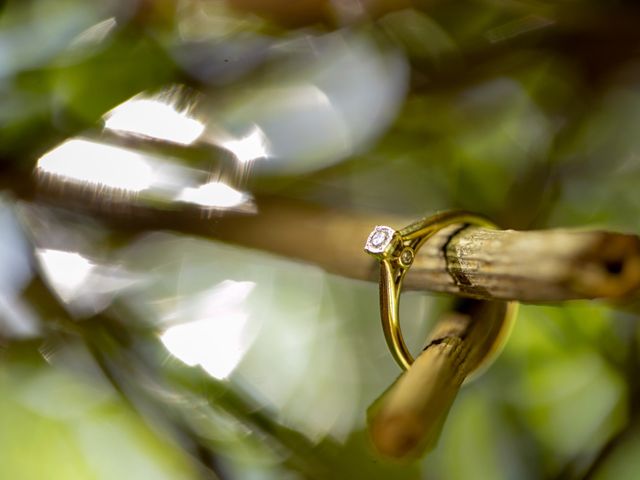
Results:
530 266
407 419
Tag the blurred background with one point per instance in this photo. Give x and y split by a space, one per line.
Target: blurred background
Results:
133 346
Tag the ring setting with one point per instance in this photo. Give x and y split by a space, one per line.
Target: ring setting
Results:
381 240
396 250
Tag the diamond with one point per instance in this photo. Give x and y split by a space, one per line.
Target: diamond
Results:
406 257
379 239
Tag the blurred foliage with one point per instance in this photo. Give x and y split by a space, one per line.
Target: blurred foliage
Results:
524 111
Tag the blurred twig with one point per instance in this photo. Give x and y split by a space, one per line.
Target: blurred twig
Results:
409 416
531 266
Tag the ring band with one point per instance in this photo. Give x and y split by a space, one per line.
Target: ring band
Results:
396 250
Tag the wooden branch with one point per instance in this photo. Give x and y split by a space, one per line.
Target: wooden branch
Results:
532 266
480 263
407 419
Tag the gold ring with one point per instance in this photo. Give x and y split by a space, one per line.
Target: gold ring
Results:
396 250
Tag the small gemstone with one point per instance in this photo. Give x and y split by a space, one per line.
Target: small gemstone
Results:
379 239
406 257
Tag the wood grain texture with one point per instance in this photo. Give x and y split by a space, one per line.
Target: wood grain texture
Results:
531 266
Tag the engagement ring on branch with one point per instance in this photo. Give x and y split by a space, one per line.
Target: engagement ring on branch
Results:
396 250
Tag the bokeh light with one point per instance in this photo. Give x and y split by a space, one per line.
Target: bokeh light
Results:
177 175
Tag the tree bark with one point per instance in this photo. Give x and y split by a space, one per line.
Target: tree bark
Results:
529 266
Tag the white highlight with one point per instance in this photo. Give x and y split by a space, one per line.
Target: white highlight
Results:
248 148
66 272
155 119
217 339
213 195
86 161
96 33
